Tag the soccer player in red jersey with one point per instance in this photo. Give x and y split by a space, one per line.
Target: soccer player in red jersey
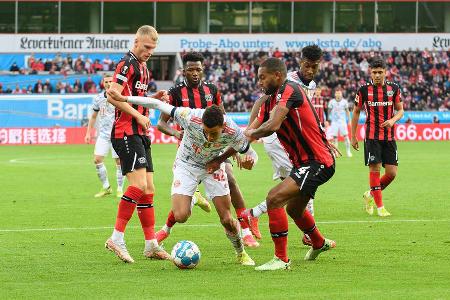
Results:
379 98
193 92
132 144
290 114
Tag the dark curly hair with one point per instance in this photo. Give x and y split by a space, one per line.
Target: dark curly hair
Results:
273 65
377 62
312 52
193 56
213 116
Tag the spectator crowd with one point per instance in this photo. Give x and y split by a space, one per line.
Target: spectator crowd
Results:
422 75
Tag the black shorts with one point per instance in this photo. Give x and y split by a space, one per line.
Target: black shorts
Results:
310 175
134 152
384 152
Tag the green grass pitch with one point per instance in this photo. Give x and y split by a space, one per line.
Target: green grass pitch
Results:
52 233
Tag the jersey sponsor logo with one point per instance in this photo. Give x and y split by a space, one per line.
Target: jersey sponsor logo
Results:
379 103
140 86
390 93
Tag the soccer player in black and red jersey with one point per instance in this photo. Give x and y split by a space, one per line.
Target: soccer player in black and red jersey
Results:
290 114
379 98
132 144
193 92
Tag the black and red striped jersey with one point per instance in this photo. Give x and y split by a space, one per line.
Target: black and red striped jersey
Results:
201 96
378 103
300 133
133 76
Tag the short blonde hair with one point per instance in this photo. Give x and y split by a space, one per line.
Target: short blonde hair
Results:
148 30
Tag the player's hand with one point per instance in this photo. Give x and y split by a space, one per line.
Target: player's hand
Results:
355 143
144 122
248 133
247 162
238 160
115 95
161 95
389 123
179 134
87 139
212 166
335 151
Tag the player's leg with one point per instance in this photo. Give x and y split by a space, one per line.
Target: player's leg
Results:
276 199
390 163
130 151
217 189
100 151
146 213
119 176
344 132
239 205
308 178
184 185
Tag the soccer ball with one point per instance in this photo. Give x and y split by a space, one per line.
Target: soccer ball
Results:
185 255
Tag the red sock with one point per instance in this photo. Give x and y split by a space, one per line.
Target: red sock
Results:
376 188
385 181
170 219
126 207
307 224
278 225
146 213
243 224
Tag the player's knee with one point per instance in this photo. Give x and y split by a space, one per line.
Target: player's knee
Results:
391 173
180 216
273 199
227 221
98 160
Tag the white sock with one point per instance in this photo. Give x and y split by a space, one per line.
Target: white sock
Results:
102 174
259 209
149 244
246 231
236 241
166 228
119 177
347 143
380 208
310 206
117 236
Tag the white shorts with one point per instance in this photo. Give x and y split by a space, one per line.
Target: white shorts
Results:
186 179
281 163
337 128
102 147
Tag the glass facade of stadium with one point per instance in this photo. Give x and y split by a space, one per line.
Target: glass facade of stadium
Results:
225 17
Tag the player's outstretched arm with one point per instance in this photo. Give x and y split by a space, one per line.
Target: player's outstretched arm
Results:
250 159
142 101
277 116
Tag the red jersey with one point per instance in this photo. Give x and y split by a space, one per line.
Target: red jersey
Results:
300 133
201 96
378 102
133 76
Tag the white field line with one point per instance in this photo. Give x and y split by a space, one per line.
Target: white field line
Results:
218 225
